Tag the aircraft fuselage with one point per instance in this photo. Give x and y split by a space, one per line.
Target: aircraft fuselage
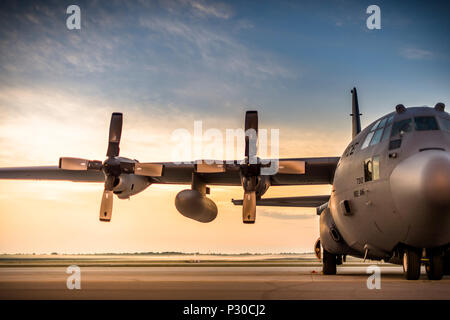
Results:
392 186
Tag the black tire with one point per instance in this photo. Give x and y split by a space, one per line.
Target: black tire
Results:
329 263
435 265
411 263
447 262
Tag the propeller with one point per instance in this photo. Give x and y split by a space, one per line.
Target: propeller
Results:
115 132
112 167
250 169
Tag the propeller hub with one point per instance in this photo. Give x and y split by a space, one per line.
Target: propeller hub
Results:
111 166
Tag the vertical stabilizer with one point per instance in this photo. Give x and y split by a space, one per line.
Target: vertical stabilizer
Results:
356 121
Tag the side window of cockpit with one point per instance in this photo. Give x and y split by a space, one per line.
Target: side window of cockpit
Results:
372 169
376 167
368 170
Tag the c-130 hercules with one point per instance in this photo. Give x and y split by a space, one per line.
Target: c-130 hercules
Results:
390 197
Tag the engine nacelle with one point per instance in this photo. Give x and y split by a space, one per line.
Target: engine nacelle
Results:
330 237
192 204
263 185
130 184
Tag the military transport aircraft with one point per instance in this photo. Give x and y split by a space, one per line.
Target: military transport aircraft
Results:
390 197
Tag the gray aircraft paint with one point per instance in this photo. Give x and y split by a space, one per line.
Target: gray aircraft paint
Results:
380 216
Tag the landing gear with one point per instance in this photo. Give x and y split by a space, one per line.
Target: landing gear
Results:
447 262
329 262
435 265
411 263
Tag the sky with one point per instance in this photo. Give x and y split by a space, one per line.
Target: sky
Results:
166 64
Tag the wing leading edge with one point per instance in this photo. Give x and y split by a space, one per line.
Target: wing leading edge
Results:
51 173
317 171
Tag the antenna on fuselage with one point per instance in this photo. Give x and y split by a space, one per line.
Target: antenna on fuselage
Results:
356 121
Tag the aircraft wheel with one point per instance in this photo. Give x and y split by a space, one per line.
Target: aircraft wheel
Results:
447 263
435 266
411 263
329 263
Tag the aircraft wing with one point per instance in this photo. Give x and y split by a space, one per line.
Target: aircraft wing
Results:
306 201
51 173
255 175
317 171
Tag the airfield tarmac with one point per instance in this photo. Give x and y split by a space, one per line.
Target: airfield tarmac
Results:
274 279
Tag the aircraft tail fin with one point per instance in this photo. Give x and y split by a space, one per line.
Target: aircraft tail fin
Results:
356 121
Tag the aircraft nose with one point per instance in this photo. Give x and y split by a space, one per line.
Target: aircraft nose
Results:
436 184
422 182
420 188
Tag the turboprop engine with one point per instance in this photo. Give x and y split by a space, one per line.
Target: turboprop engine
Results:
130 184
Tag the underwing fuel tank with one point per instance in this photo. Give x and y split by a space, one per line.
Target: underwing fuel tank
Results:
192 204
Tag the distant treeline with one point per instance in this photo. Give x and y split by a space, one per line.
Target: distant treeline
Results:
167 253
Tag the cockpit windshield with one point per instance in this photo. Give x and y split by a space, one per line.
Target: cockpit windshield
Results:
401 126
425 123
445 123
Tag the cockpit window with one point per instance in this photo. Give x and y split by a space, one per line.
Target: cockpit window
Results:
386 133
372 169
376 137
382 122
401 126
445 123
368 170
376 132
375 125
367 141
425 123
389 120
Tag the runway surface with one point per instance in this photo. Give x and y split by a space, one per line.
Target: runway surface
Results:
206 282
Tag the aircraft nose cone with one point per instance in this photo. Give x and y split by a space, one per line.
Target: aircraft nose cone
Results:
422 180
436 184
420 188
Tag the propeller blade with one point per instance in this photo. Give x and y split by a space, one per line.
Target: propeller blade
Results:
204 167
251 137
67 163
249 207
291 167
148 169
115 132
106 206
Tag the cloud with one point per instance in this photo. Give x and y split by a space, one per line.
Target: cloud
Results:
218 10
416 54
215 50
